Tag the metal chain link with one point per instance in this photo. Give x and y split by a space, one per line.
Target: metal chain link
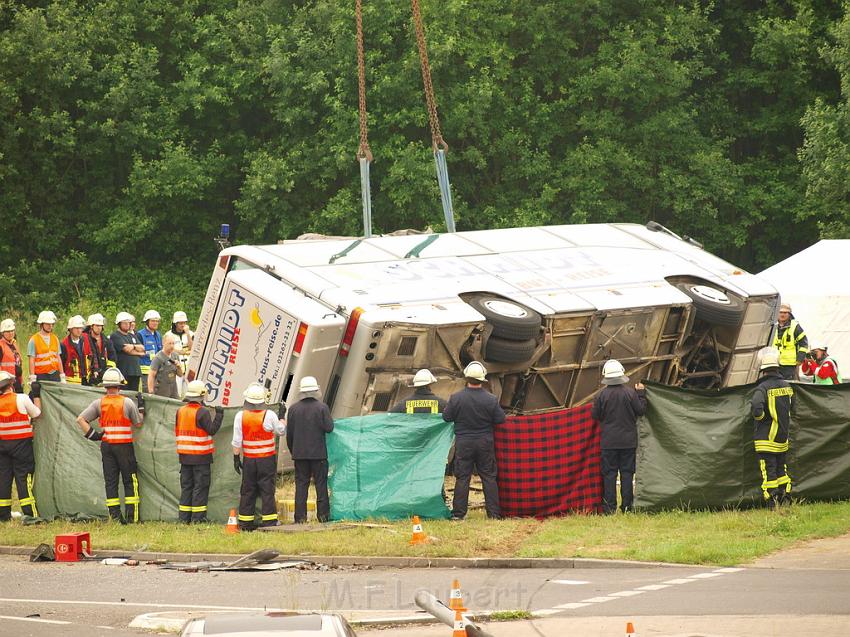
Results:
363 150
434 120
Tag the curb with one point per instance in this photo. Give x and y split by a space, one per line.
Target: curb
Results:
387 562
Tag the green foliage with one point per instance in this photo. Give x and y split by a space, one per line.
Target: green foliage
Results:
130 129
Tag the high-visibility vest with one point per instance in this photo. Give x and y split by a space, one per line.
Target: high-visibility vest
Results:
191 439
256 441
10 359
827 381
787 345
117 428
46 360
153 343
412 404
13 424
76 370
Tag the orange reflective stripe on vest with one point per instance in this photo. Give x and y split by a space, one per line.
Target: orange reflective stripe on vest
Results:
46 360
117 428
256 441
191 439
13 424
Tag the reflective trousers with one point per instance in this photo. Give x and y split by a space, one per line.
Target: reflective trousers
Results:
17 463
194 492
258 475
120 461
775 483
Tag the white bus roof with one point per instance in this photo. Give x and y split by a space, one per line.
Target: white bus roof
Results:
569 268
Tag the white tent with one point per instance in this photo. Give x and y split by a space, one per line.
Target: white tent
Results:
816 284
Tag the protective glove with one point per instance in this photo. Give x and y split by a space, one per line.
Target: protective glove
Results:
35 390
281 411
219 410
237 464
141 402
33 378
94 435
63 379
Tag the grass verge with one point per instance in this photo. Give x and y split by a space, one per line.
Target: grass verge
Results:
719 538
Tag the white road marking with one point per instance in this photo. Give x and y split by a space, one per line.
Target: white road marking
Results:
35 619
652 587
568 582
681 580
138 604
705 575
728 570
598 600
572 605
627 593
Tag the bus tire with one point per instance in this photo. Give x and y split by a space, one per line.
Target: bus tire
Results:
510 320
713 305
503 350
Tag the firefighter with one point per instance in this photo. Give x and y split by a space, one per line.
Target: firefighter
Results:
791 341
103 354
193 430
17 460
182 344
617 408
820 366
10 357
254 431
771 408
43 351
151 339
423 400
475 412
308 424
117 416
128 350
75 352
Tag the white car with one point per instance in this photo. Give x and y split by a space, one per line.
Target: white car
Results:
270 625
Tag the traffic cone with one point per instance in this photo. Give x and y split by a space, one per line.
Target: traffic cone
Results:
232 524
419 536
456 598
630 629
459 630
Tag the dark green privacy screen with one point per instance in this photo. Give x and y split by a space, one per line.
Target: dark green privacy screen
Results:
696 447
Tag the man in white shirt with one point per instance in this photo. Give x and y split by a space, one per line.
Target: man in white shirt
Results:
17 459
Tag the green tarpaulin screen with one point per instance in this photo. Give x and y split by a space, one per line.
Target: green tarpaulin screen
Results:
69 474
388 466
696 447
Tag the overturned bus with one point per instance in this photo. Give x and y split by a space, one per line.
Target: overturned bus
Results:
542 307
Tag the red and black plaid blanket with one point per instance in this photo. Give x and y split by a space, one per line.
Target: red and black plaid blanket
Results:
549 463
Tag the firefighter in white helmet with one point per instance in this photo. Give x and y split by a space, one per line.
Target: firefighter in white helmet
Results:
194 429
617 408
103 354
423 400
128 350
10 357
118 415
182 344
43 350
254 431
475 413
151 339
76 353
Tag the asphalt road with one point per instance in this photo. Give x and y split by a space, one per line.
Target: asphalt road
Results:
101 600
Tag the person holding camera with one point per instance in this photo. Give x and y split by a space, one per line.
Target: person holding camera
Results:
164 370
821 366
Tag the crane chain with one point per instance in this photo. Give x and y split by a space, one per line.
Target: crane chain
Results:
363 151
433 119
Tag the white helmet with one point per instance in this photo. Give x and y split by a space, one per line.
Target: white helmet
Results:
96 319
8 325
476 371
195 389
76 321
768 357
151 315
46 317
113 377
6 379
255 394
308 384
613 373
423 377
817 345
124 316
180 317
